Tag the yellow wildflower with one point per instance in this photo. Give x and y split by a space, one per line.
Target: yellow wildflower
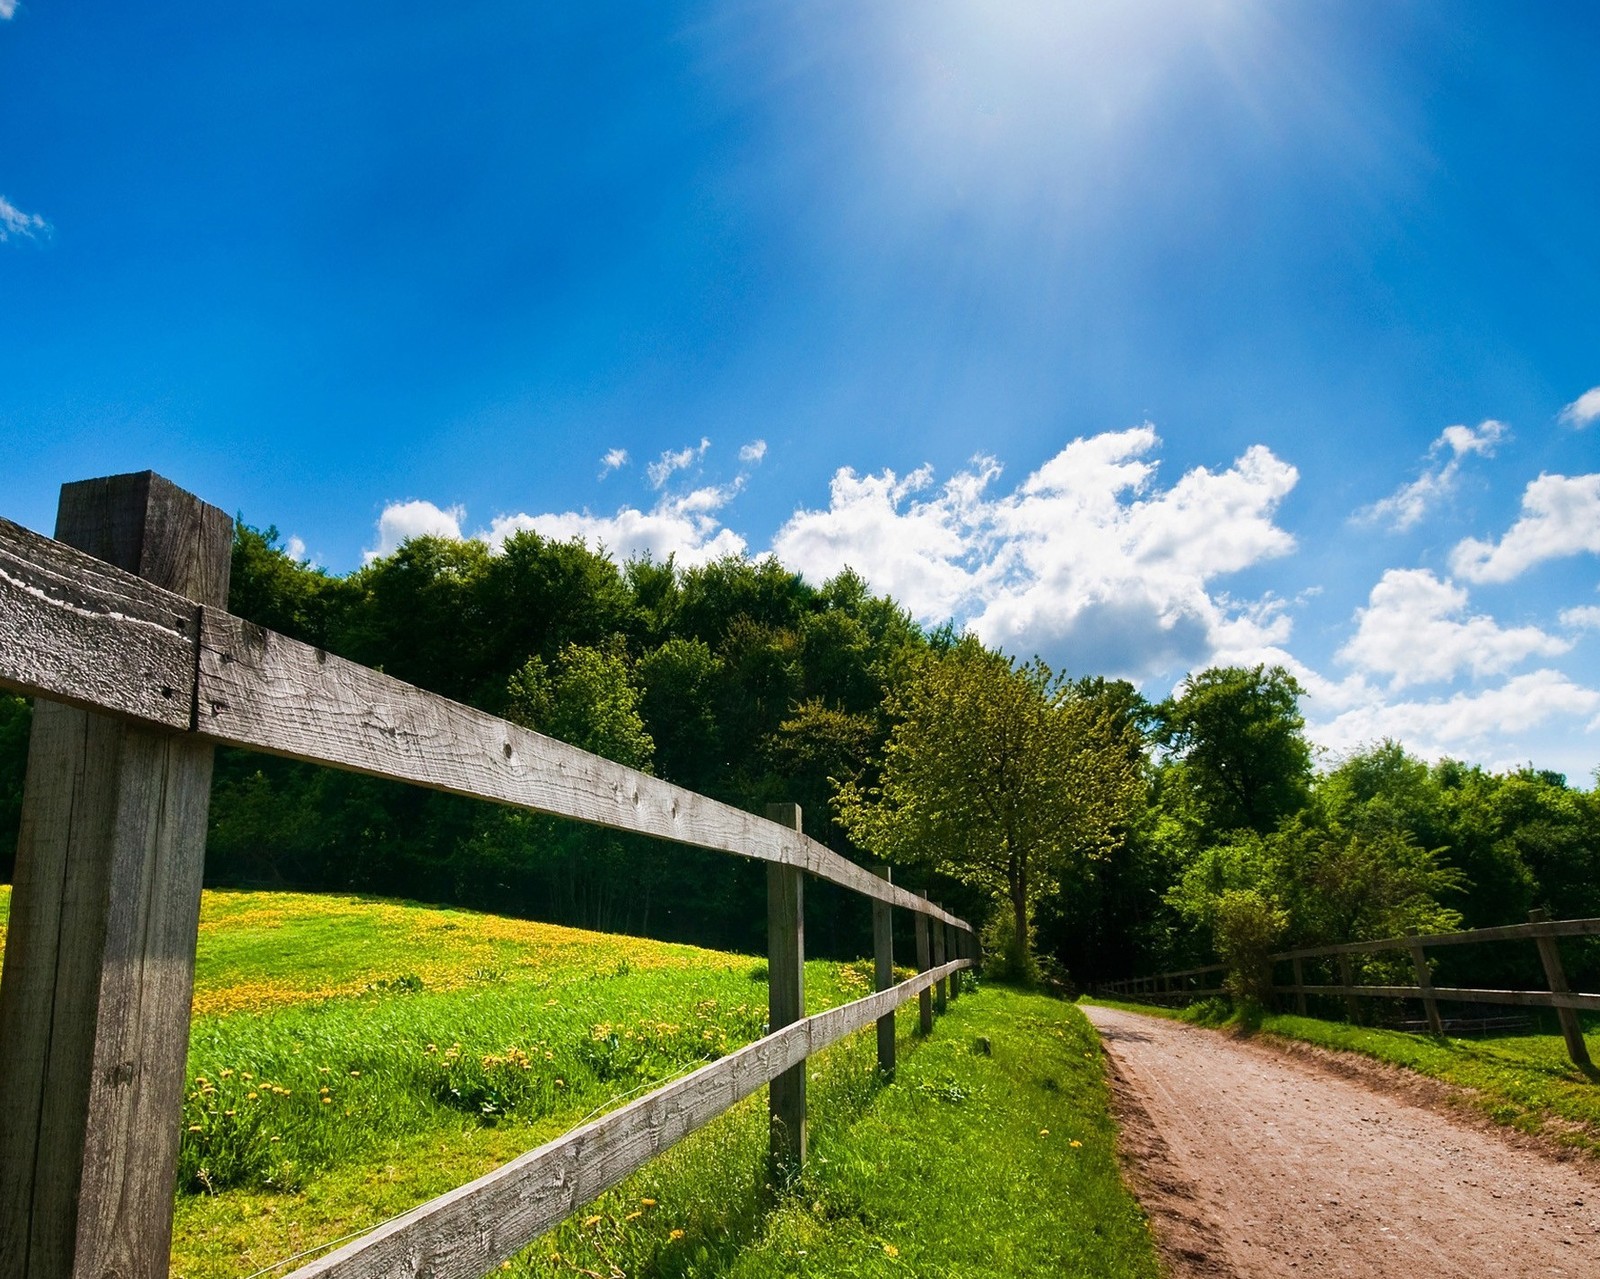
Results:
676 1234
890 1250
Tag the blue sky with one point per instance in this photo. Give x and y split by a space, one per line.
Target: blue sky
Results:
1142 337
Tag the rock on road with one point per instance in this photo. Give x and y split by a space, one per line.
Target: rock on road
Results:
1252 1163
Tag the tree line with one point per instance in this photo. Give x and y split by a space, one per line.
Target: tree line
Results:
1097 832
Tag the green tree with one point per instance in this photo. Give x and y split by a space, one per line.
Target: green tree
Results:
996 775
588 700
1240 735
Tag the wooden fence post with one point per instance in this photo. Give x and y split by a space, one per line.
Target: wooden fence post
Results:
99 964
883 963
940 994
924 962
786 1003
1347 978
952 948
1556 976
1300 981
1430 1005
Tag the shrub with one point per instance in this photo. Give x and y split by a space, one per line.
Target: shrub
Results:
1248 926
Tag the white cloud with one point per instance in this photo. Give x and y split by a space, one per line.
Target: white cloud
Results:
752 453
1413 632
1406 506
1586 617
295 548
1086 560
684 528
401 521
614 459
1583 410
8 8
661 470
1470 725
1560 517
917 551
13 221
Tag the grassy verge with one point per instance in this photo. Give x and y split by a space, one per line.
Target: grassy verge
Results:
1525 1081
352 1058
969 1164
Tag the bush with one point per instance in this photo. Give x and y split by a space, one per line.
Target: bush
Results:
1248 926
1006 956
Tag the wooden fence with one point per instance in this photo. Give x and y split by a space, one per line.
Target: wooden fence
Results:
1540 929
119 628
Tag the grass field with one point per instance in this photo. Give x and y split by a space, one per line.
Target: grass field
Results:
1524 1080
351 1058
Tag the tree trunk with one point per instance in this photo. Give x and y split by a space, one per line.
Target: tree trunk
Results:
1019 905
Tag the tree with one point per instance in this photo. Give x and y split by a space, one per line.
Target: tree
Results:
589 700
1241 738
996 775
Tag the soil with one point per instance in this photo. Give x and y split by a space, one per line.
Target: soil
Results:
1254 1163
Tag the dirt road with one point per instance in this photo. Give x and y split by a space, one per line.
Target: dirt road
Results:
1252 1163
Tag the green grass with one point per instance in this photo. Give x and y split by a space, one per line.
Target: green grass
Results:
352 1058
1524 1081
967 1165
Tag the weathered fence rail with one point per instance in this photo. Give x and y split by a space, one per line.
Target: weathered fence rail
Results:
1540 929
119 627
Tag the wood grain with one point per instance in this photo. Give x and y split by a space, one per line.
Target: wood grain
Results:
75 630
924 964
95 996
464 1234
883 975
786 1004
1556 977
261 690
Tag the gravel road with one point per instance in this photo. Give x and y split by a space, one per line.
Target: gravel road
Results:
1253 1163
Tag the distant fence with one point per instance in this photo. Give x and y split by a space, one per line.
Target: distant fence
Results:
120 628
1540 929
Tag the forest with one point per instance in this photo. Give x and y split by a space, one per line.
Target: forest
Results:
1098 833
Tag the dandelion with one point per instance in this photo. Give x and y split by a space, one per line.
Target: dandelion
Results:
590 1221
245 1074
676 1234
1075 1144
251 1097
1044 1132
327 1101
192 1128
889 1250
634 1215
355 1074
648 1203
